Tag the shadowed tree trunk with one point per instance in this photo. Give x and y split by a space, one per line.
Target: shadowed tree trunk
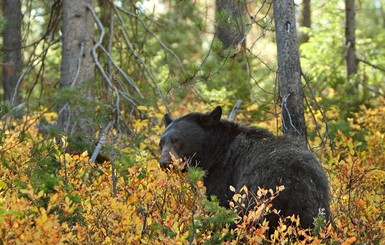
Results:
107 19
305 20
231 29
350 37
77 66
381 13
12 51
289 69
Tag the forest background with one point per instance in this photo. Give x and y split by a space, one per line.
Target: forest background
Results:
86 84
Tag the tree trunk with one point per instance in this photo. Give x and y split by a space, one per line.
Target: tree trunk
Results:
231 30
12 51
350 38
77 66
289 69
305 20
381 13
107 20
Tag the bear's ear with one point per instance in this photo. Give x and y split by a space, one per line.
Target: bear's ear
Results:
214 116
167 119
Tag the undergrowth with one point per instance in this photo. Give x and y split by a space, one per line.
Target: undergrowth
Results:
44 198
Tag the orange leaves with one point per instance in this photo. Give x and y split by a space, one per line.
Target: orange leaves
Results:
357 176
252 225
349 241
153 206
40 227
359 203
132 199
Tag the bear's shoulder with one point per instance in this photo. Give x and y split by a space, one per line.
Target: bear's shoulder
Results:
250 132
255 132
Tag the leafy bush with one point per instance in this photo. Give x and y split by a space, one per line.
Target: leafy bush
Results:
44 198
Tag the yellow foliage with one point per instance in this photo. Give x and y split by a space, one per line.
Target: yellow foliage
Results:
153 206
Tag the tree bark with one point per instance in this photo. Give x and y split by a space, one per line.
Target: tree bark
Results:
350 38
305 20
77 66
289 69
12 51
107 20
232 32
381 13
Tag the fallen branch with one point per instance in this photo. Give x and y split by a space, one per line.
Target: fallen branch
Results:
98 147
234 110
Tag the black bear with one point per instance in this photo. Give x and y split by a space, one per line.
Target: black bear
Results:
236 155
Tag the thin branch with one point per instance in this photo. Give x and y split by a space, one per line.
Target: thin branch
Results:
18 83
110 36
97 44
327 133
113 167
113 176
370 64
51 25
109 81
121 71
40 59
140 61
153 34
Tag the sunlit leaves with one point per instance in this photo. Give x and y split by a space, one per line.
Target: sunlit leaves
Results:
357 175
43 198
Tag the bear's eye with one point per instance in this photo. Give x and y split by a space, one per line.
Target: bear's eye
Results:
175 141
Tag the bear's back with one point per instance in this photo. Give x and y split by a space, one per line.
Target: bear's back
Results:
277 161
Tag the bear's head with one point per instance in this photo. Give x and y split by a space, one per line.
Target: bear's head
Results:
184 137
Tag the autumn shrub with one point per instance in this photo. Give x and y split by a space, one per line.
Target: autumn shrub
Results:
357 176
26 209
45 198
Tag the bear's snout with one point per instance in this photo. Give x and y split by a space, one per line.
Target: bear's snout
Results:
165 162
165 159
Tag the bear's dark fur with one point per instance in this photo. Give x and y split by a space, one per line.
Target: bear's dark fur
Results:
236 155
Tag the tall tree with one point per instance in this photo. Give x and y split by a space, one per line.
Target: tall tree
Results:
305 20
107 19
381 13
350 37
12 51
77 66
289 69
230 29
